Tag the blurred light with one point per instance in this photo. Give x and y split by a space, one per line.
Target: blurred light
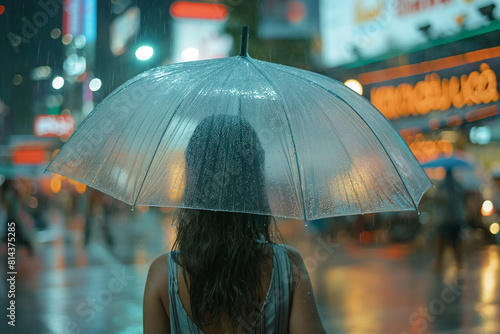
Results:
82 77
67 39
354 85
190 54
80 41
80 187
434 124
2 9
198 10
75 65
17 79
55 33
46 125
28 156
296 11
41 72
487 208
55 184
144 52
95 84
494 228
142 209
32 202
365 237
451 136
66 112
2 179
480 135
58 82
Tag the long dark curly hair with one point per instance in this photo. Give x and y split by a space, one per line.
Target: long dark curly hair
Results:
221 251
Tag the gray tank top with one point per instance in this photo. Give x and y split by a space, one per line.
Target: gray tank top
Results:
275 311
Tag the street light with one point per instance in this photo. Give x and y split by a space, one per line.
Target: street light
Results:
355 85
144 52
58 82
95 84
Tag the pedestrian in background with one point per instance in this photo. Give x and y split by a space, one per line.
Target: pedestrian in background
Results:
450 218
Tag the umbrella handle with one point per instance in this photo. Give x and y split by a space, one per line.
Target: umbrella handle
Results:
244 41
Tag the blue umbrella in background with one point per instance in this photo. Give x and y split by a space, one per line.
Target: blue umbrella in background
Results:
454 161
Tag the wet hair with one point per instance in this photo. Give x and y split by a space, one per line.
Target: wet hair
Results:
221 252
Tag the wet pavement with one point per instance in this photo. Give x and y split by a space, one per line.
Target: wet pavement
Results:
70 287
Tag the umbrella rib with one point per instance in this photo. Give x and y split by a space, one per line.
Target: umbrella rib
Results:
376 136
161 138
292 137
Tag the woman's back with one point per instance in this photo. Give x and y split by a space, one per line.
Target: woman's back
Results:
272 308
287 304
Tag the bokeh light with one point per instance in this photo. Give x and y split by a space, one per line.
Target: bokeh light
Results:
355 85
487 208
95 84
190 54
55 184
58 82
144 52
494 228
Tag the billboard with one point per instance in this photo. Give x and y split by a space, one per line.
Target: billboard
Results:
368 28
440 93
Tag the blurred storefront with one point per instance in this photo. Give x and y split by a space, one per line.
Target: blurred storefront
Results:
431 67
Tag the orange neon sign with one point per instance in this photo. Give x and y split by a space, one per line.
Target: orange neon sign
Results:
428 150
434 93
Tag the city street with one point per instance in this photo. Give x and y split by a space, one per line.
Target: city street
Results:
69 288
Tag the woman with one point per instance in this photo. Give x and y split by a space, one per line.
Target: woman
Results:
226 275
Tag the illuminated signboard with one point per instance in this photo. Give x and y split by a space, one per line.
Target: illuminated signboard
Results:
436 93
79 18
439 93
54 126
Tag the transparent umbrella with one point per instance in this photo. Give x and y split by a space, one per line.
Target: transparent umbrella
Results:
323 149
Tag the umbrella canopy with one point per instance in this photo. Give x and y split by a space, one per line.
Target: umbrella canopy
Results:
278 141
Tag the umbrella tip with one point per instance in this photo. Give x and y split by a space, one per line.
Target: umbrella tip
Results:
244 41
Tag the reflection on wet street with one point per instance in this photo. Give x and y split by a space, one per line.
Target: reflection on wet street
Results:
70 287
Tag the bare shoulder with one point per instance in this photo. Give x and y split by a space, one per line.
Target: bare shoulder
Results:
293 255
158 276
159 267
297 265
